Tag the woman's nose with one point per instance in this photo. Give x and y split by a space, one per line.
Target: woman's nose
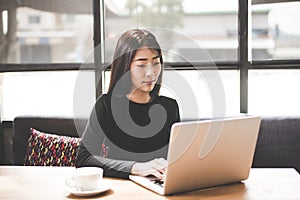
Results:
149 70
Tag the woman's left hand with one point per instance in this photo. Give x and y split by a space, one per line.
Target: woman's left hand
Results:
154 167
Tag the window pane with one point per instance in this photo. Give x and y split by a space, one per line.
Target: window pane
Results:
200 94
274 92
47 32
69 93
183 27
275 31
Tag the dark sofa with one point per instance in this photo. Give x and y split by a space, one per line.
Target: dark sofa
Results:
278 142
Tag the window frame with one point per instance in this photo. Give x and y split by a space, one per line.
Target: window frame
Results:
243 65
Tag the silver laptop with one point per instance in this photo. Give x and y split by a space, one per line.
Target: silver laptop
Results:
206 153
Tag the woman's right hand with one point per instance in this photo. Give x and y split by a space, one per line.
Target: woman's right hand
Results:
154 167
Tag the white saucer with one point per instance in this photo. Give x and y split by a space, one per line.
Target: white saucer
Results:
103 186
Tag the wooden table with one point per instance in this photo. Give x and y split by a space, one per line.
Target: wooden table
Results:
19 182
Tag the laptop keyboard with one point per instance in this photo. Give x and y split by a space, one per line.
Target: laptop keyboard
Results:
158 182
155 180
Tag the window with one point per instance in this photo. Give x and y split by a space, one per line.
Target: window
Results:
275 65
214 39
274 92
205 36
184 27
65 38
60 93
44 47
275 35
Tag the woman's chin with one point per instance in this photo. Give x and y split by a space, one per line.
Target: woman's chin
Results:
147 88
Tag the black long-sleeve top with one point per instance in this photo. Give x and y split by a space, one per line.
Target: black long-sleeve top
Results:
121 132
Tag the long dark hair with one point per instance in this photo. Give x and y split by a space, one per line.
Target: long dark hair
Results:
126 48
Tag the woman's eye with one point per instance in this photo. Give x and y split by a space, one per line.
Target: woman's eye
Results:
142 65
145 65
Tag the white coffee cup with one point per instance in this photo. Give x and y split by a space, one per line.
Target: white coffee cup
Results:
87 178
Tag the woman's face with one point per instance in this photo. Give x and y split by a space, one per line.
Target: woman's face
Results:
145 69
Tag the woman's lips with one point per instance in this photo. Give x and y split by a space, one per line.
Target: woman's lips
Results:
149 82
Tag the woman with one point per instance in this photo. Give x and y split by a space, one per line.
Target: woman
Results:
128 129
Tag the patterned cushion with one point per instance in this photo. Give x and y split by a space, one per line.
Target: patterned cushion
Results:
46 149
